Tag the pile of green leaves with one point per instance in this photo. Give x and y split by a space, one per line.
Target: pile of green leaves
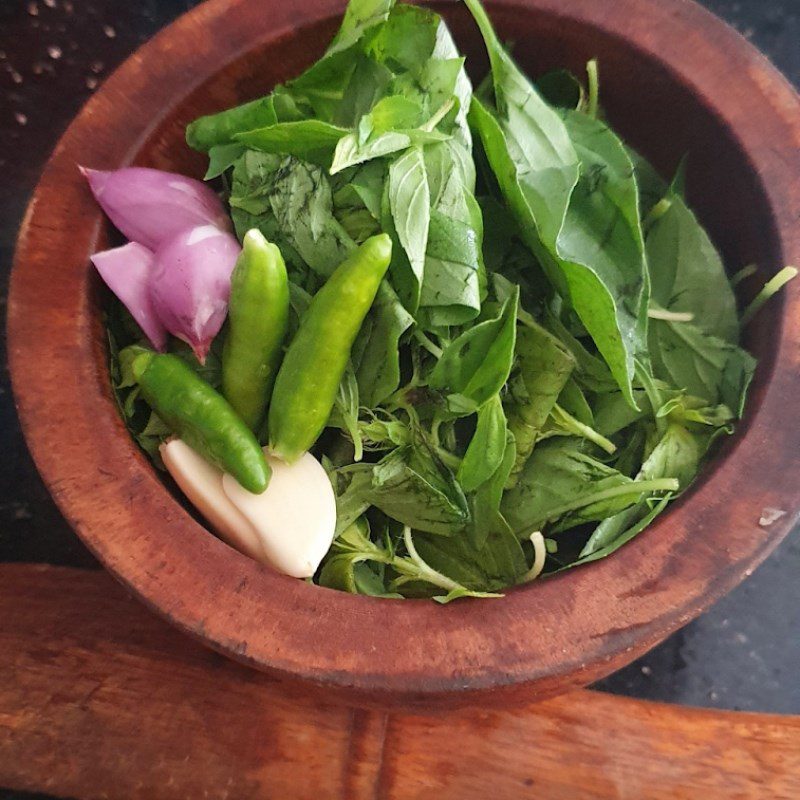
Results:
556 345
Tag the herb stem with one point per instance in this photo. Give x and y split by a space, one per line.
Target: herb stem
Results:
743 274
771 287
656 212
576 426
422 571
433 349
438 116
653 393
452 461
655 312
539 557
593 79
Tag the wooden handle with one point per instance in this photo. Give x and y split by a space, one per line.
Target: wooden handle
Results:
99 699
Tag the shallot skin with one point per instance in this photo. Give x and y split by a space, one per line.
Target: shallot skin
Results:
191 282
150 206
127 271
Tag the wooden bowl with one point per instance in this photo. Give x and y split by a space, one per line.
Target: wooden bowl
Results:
674 80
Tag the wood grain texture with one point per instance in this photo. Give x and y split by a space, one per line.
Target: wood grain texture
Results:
99 699
667 83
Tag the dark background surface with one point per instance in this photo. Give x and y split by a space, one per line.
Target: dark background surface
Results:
743 654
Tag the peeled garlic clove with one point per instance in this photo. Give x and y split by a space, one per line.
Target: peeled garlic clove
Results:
295 517
201 482
149 205
126 271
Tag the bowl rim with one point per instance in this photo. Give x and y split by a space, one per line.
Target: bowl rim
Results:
413 652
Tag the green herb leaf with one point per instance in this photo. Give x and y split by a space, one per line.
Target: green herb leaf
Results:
221 158
345 410
411 485
310 139
563 487
485 502
297 196
496 565
687 274
377 348
545 366
577 205
409 201
476 365
351 151
452 285
486 448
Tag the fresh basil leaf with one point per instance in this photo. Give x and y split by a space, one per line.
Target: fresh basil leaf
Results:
545 366
351 151
687 274
486 448
562 487
452 285
417 45
360 18
526 142
601 248
391 113
369 82
485 502
352 500
435 79
221 158
676 455
613 413
253 177
450 293
384 432
310 139
325 84
499 563
363 188
476 365
124 361
357 199
218 129
703 365
573 400
350 550
652 187
412 486
577 205
297 195
600 548
345 410
592 373
376 350
409 201
407 39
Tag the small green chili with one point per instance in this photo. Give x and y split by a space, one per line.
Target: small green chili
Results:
316 360
258 315
202 418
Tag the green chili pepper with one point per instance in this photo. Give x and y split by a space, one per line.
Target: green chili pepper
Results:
202 418
258 315
315 362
